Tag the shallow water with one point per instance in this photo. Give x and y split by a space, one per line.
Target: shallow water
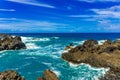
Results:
44 52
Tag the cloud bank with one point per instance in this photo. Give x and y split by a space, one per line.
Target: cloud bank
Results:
14 25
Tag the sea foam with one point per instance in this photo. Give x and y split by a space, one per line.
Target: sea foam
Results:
101 71
32 46
55 37
79 42
33 39
100 42
58 73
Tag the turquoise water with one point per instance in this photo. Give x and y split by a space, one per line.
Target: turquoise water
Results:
44 52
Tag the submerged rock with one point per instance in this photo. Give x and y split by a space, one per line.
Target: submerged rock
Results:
48 75
106 55
10 75
8 42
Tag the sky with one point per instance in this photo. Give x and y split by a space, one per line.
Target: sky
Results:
59 16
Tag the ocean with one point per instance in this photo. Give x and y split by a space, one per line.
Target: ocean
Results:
44 51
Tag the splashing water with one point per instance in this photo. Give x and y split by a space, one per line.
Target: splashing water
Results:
45 53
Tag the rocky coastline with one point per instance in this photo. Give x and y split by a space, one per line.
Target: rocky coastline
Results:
106 55
9 42
14 75
10 75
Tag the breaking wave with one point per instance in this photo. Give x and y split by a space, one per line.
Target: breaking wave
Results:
31 39
32 46
100 71
45 53
100 42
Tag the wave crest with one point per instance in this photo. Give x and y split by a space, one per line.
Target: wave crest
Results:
32 46
100 42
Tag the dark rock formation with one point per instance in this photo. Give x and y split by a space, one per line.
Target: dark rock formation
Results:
106 55
8 42
48 75
10 75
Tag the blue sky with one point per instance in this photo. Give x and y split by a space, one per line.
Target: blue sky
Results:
70 16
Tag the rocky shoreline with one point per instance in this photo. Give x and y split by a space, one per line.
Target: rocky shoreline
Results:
9 42
10 75
106 55
14 75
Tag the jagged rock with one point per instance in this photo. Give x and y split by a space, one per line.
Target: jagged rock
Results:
10 75
48 75
106 55
8 42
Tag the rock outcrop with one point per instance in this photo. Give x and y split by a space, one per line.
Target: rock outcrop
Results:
8 42
106 55
13 75
48 75
10 75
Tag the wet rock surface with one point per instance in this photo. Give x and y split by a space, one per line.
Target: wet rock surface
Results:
10 75
105 55
48 75
8 42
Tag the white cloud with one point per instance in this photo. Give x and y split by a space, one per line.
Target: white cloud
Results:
108 18
109 25
32 2
80 16
5 19
14 24
91 1
7 10
113 12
